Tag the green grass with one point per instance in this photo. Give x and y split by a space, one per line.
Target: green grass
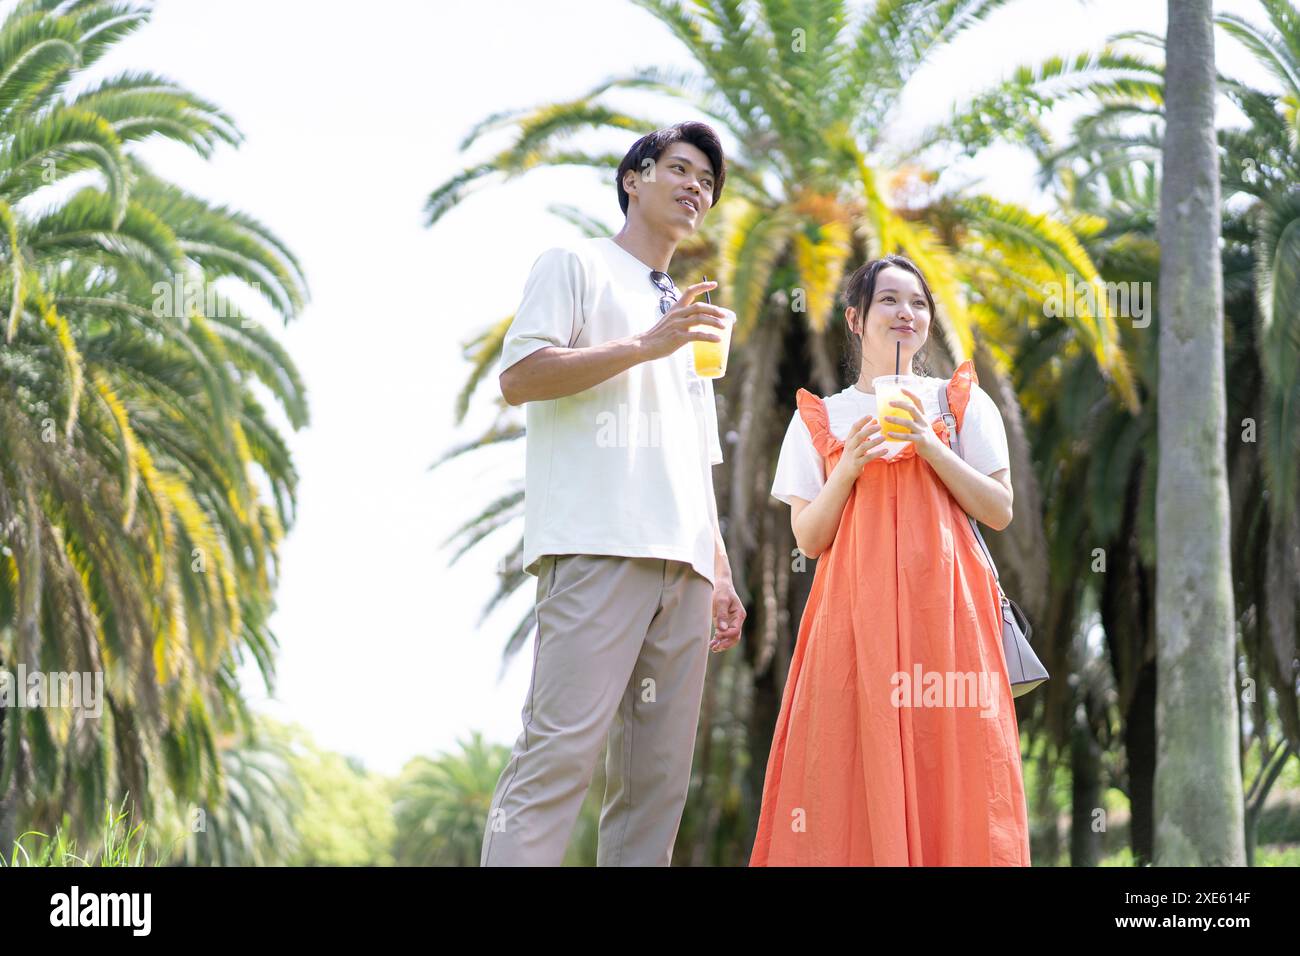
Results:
120 845
1281 854
1123 858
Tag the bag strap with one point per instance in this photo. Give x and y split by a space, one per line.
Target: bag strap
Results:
954 441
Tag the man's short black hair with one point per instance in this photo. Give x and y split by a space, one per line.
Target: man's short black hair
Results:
651 146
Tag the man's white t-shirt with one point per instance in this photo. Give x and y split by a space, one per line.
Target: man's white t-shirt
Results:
622 468
799 469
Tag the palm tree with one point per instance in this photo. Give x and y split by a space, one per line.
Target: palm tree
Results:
136 540
1198 769
254 824
440 804
815 185
1259 173
1262 167
1106 458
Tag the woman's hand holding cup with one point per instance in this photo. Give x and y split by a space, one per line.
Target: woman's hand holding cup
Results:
864 444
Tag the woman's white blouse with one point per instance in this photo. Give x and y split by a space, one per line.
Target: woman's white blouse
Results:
799 467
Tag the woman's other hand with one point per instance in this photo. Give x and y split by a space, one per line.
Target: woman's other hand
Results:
918 430
865 443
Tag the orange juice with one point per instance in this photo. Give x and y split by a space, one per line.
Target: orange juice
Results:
890 400
711 357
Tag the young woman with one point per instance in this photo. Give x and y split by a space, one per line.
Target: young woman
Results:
896 744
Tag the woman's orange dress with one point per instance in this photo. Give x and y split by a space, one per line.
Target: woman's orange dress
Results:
891 749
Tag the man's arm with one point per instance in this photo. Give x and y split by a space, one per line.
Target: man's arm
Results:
721 563
728 610
554 372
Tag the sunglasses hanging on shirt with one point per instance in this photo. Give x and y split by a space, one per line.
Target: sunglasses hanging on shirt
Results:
668 291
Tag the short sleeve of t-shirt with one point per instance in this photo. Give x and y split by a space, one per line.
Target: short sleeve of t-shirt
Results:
983 435
550 312
799 467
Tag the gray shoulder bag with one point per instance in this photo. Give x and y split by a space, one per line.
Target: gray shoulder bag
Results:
1024 670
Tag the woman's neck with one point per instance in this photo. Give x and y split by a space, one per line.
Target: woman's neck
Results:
873 368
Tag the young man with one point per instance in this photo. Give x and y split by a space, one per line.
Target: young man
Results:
620 520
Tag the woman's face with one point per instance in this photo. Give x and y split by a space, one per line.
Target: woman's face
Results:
898 316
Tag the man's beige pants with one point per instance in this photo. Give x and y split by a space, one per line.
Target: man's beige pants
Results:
621 649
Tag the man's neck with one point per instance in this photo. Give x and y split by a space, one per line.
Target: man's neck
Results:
652 248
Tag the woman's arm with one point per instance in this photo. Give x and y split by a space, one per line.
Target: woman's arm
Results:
815 522
986 498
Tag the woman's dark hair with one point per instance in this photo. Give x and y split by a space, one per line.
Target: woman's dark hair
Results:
652 145
859 291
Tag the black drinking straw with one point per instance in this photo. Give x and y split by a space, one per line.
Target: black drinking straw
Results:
706 293
898 353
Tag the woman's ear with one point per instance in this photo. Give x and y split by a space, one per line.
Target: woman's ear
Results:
851 316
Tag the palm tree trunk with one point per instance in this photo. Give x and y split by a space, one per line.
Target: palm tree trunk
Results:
1045 844
1270 767
1198 795
1085 794
1140 752
1126 604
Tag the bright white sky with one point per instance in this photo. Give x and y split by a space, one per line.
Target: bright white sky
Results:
352 114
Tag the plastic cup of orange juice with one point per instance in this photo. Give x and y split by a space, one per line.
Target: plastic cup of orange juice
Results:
711 357
890 400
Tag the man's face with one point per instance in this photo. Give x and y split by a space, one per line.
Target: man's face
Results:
674 193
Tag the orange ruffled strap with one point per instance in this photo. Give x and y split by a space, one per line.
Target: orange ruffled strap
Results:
813 412
959 387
